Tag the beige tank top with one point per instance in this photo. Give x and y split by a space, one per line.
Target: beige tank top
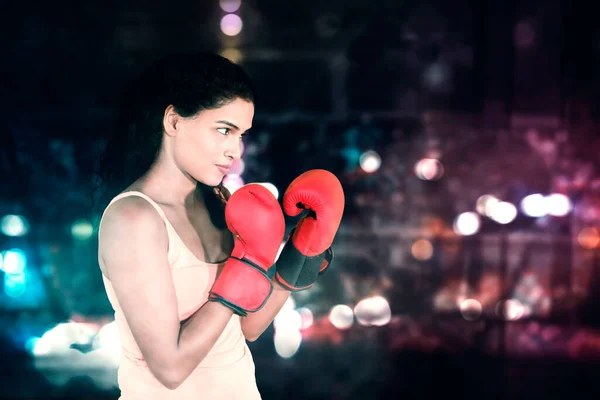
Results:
226 373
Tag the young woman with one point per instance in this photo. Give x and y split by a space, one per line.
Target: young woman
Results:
187 268
163 237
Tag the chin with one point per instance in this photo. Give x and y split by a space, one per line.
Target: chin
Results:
210 181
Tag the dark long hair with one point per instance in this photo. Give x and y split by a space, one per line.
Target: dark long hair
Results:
190 83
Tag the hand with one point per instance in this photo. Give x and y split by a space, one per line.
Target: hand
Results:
307 254
255 219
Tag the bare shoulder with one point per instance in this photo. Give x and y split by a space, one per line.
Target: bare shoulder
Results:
131 223
129 209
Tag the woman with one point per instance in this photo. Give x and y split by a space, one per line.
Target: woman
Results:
163 240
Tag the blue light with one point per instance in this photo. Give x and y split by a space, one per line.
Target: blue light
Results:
14 284
14 225
13 261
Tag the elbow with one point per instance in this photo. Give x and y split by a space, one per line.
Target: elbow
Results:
172 384
252 332
170 380
174 371
169 377
251 336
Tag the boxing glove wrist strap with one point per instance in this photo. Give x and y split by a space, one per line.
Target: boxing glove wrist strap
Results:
242 286
296 271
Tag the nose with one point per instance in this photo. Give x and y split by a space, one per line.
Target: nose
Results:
234 149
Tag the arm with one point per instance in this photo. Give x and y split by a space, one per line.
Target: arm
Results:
133 246
255 324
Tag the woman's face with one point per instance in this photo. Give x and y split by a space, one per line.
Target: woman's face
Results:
207 144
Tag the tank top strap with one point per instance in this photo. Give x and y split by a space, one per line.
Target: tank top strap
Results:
174 241
158 209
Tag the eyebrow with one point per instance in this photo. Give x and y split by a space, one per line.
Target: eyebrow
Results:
228 123
234 126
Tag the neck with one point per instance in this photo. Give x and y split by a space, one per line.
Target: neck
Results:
168 184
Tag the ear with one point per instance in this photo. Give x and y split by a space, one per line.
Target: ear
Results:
170 120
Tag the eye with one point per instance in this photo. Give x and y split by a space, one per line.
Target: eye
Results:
224 131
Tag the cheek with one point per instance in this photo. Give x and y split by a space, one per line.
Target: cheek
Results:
189 153
195 155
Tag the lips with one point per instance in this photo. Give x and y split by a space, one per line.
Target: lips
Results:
224 169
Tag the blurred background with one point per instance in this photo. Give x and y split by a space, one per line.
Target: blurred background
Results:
465 134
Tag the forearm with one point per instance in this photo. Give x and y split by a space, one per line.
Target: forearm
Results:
198 335
256 323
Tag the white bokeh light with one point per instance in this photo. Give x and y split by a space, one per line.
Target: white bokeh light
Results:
503 212
287 342
429 169
59 339
82 229
230 5
13 261
470 309
370 161
306 316
233 182
272 188
485 204
467 224
510 310
373 311
558 205
238 167
341 316
534 205
231 24
289 304
14 225
287 319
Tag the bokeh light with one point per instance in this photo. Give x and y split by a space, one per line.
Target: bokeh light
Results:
510 310
287 342
233 182
231 24
503 212
82 229
341 316
238 167
230 6
485 204
429 169
13 261
588 238
272 188
306 317
59 339
467 224
471 309
235 56
370 161
14 225
373 311
287 319
558 205
422 249
534 205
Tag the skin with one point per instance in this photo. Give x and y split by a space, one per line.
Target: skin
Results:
190 150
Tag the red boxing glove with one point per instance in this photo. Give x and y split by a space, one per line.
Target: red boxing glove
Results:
254 217
308 253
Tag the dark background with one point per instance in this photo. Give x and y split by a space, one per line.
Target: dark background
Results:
504 94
